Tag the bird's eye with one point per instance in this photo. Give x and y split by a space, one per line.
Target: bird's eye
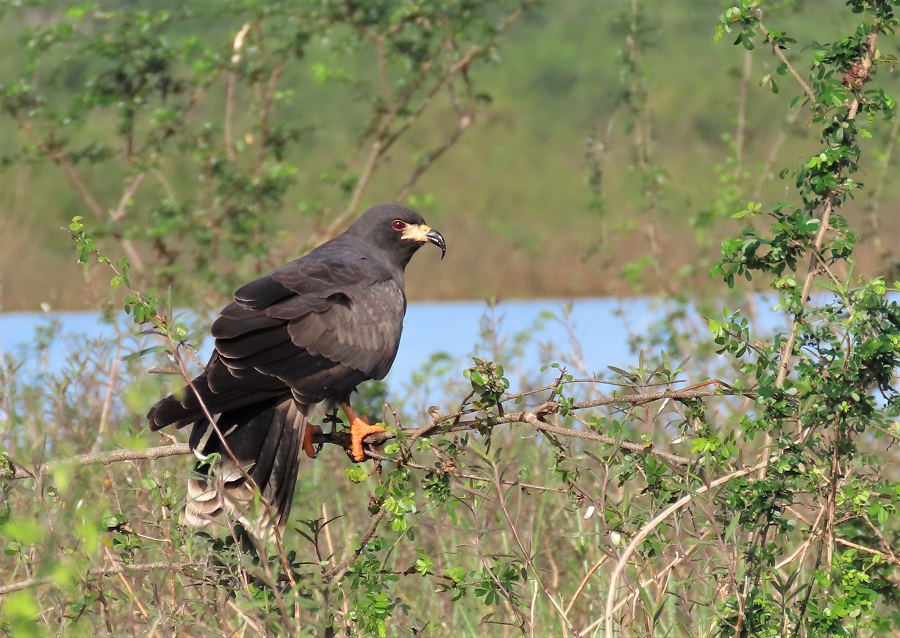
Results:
398 225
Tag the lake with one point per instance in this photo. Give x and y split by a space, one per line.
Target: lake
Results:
599 326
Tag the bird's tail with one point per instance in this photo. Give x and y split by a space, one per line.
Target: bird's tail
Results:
265 438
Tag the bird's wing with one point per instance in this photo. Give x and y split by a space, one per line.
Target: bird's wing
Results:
309 317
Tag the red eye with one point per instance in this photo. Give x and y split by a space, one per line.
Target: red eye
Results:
398 225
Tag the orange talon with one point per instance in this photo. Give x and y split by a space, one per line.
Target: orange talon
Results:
308 447
359 430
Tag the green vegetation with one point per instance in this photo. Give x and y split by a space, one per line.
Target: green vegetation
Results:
760 500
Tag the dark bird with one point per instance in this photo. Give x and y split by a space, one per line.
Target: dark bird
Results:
311 331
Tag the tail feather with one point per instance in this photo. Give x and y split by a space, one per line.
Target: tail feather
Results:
265 438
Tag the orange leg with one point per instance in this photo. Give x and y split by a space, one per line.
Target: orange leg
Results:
308 446
359 430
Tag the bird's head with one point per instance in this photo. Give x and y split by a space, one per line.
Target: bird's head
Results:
397 230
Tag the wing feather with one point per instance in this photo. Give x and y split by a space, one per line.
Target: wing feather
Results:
340 309
315 327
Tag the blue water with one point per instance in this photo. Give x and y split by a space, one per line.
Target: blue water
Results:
596 329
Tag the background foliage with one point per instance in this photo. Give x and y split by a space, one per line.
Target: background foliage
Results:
760 500
672 131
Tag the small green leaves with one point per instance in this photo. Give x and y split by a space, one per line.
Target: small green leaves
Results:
822 399
141 307
791 235
732 333
112 521
752 209
84 243
456 574
488 383
497 584
423 563
356 473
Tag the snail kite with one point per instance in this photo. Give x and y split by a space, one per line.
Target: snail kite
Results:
311 331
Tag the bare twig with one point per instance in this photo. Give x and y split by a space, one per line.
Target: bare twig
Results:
230 89
103 458
464 124
117 568
776 49
888 558
584 581
268 100
131 188
532 419
881 538
107 400
259 630
130 589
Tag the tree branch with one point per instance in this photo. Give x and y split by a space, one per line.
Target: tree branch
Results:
533 417
776 49
101 458
117 568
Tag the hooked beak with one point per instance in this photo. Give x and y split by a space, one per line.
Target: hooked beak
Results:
434 237
428 234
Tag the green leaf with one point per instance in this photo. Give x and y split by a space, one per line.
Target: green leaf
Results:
356 474
456 574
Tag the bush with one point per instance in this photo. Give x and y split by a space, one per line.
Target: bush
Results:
759 501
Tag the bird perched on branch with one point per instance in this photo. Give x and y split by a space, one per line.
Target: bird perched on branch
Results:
309 332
